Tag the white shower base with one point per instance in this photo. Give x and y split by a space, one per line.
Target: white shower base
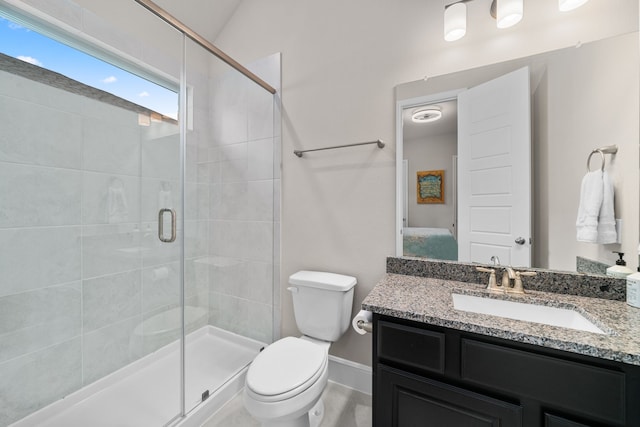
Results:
147 392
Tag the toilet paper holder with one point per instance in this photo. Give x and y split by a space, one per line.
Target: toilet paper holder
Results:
365 326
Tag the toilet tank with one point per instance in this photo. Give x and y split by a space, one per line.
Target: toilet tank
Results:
322 303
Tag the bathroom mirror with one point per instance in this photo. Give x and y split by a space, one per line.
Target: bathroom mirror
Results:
581 98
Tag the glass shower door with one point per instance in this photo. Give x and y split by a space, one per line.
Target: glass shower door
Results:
125 225
231 194
162 269
87 290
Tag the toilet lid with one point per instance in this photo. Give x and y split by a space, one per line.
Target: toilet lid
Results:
285 365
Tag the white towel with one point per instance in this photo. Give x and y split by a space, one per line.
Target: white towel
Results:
591 196
606 218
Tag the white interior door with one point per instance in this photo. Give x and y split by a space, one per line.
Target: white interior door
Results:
494 171
405 185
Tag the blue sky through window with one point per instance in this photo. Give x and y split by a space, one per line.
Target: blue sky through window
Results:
30 46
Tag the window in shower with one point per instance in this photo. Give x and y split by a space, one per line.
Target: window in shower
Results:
20 42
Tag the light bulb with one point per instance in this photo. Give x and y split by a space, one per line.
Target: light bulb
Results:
509 12
567 5
455 21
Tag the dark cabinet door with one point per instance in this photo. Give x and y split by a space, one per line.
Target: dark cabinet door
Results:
413 401
595 393
556 421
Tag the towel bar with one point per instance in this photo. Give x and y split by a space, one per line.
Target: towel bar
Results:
379 142
610 149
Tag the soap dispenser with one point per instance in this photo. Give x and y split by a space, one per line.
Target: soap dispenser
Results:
620 270
633 287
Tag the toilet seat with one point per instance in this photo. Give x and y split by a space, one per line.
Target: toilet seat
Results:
285 368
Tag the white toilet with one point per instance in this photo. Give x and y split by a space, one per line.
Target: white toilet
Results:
285 381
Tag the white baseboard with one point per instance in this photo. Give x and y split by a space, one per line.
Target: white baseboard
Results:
350 374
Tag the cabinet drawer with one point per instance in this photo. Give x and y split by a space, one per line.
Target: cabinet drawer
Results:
574 387
408 400
412 347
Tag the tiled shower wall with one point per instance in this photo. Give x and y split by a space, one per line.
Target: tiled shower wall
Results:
81 264
83 279
244 172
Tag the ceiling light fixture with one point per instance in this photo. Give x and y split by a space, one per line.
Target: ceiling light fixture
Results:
507 13
567 5
426 115
455 21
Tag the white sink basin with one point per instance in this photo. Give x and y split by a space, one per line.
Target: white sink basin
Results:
553 316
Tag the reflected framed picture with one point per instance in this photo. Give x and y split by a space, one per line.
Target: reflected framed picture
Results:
430 186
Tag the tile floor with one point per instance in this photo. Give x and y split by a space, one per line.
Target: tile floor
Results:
343 407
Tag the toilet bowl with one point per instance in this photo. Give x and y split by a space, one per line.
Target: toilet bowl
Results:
286 380
284 383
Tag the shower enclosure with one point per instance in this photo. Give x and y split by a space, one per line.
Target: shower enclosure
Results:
139 240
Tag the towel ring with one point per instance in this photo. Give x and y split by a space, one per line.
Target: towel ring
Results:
589 159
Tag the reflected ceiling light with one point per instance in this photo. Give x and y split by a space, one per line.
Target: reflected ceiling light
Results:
509 12
455 21
567 5
426 115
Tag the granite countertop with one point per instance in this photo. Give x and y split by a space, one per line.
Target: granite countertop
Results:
428 300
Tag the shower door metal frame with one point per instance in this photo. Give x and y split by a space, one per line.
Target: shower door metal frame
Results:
188 32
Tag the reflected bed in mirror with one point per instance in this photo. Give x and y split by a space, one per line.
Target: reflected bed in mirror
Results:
581 98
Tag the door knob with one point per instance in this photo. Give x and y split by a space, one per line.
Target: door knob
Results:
520 241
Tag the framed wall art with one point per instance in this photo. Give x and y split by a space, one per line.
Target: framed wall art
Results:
430 186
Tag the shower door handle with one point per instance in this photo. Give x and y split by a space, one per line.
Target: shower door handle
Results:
161 213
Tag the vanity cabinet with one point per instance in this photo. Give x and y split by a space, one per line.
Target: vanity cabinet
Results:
432 376
420 401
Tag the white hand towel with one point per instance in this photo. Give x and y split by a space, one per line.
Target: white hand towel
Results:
606 218
591 196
